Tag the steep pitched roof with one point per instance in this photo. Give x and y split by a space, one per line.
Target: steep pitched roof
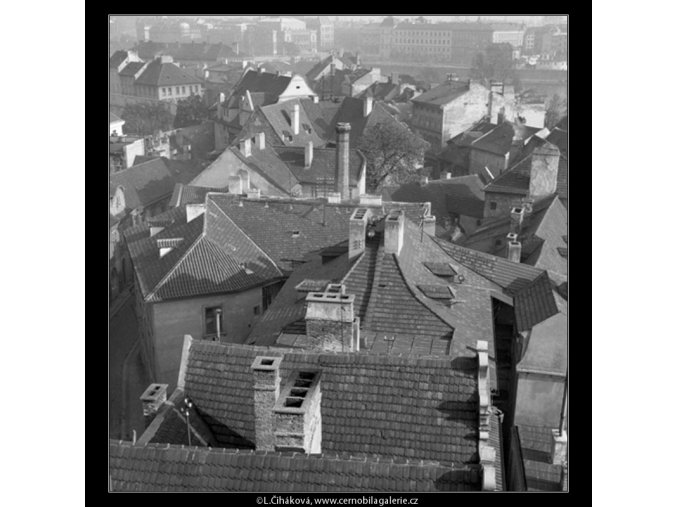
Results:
535 303
352 111
271 85
541 474
380 91
187 194
116 59
443 94
131 68
193 469
370 401
499 140
145 184
165 74
323 166
210 255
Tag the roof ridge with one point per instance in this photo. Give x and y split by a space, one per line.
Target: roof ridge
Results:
246 235
152 293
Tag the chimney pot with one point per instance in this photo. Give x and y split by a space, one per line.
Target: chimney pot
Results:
295 119
298 414
358 231
308 155
246 147
516 219
343 160
394 232
261 140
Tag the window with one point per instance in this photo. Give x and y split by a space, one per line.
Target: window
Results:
211 315
257 310
170 90
183 90
492 205
164 92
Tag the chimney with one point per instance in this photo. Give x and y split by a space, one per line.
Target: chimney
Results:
308 155
367 106
266 372
194 210
261 140
235 185
343 160
244 176
394 232
558 447
528 205
316 99
429 225
295 120
358 232
297 415
516 218
544 169
331 324
515 251
246 147
152 399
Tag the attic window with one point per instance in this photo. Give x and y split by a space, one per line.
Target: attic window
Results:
295 234
443 269
287 135
437 291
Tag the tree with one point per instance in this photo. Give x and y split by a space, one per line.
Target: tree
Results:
190 111
494 63
555 110
393 153
147 118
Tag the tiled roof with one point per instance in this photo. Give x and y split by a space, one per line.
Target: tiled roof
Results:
499 140
187 194
322 116
443 94
313 73
165 74
380 91
267 83
145 184
131 68
511 276
540 234
323 166
156 467
513 181
370 402
117 58
463 195
268 164
271 227
541 474
534 303
279 116
210 258
352 111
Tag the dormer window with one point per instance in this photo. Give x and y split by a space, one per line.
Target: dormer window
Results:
439 292
295 234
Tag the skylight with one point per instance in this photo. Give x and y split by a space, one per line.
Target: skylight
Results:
437 291
443 269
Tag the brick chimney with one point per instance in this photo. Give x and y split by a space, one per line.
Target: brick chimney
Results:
261 140
367 106
244 176
515 251
235 185
297 415
544 169
152 399
266 371
343 160
358 232
194 210
331 324
295 120
308 155
394 232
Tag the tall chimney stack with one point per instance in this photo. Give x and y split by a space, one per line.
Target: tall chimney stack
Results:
153 398
368 104
515 251
516 219
266 372
295 120
394 232
343 160
308 155
331 324
358 232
